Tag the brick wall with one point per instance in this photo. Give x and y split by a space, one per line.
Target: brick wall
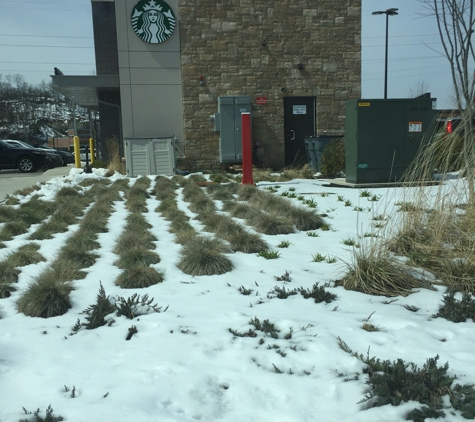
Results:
222 40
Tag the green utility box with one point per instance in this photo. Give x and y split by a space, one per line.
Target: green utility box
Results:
382 137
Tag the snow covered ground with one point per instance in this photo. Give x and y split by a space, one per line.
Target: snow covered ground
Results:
185 365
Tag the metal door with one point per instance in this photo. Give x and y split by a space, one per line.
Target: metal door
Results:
420 116
299 123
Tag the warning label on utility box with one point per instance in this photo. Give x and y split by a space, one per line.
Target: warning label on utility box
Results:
415 126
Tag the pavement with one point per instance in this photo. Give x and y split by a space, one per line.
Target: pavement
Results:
12 184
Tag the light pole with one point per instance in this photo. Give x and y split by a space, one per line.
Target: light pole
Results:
388 12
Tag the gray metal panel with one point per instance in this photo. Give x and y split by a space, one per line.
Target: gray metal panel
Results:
227 151
230 142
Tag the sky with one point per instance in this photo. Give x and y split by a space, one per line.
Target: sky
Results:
37 35
185 365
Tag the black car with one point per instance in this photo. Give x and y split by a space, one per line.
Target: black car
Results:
22 158
55 159
68 157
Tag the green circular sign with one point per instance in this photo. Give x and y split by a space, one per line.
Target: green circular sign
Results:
153 21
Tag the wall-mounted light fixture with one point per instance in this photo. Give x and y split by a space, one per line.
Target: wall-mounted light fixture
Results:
264 43
202 80
284 89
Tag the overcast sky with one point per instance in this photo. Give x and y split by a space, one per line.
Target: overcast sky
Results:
37 35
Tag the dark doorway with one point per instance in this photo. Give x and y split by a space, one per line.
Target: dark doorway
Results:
299 123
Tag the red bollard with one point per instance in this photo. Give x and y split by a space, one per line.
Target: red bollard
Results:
246 149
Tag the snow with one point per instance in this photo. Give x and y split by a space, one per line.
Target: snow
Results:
185 365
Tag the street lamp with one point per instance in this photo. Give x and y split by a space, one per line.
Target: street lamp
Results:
388 12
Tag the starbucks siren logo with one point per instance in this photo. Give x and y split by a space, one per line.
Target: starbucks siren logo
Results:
153 21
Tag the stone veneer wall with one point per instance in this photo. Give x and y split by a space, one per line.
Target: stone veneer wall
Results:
222 41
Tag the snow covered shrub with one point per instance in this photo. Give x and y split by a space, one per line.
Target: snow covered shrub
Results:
203 255
457 310
45 298
96 313
318 293
139 277
333 158
398 382
49 417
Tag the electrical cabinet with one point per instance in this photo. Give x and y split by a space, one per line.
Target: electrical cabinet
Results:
227 121
382 137
150 156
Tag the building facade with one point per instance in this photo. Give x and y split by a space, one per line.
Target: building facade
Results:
298 61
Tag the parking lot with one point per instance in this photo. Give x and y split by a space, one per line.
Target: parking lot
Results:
13 180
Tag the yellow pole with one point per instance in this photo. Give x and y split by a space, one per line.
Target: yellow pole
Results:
92 150
77 156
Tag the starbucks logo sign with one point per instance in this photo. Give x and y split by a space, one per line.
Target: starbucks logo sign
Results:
153 21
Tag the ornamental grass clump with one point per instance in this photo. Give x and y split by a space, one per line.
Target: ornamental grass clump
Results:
25 255
139 277
303 218
373 271
271 223
137 195
137 257
203 255
8 272
45 299
247 242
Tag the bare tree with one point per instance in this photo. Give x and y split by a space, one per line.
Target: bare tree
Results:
456 23
420 88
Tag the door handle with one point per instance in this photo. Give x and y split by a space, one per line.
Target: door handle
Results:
293 135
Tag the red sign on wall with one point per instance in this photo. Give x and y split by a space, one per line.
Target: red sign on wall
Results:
261 100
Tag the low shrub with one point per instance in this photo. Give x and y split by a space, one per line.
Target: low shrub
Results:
49 417
398 382
333 158
457 310
318 294
99 164
96 313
